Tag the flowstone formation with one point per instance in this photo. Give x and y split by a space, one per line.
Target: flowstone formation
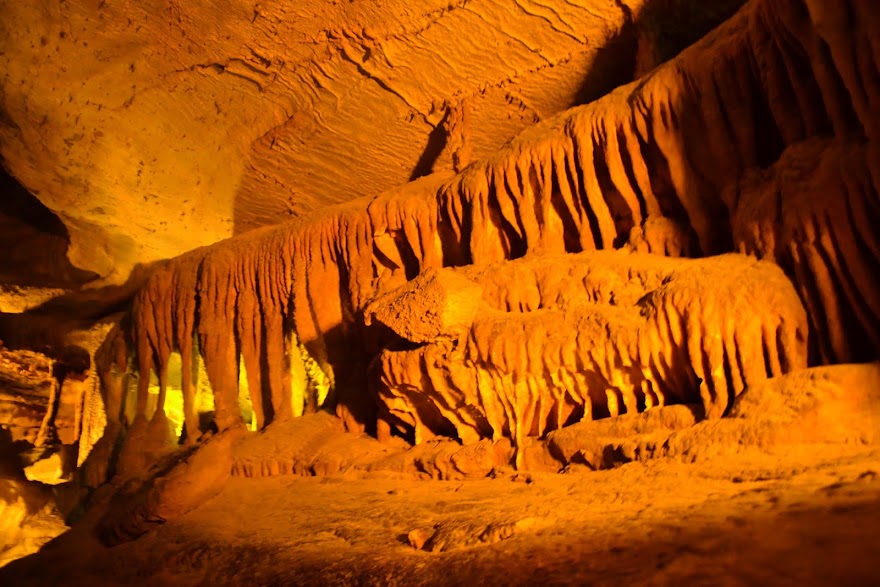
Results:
698 158
664 271
589 335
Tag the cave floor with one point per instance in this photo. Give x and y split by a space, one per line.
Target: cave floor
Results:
808 515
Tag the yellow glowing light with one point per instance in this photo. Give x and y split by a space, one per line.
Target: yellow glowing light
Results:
309 378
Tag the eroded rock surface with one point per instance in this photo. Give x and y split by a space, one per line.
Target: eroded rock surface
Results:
481 312
26 385
588 335
157 127
173 487
29 516
681 163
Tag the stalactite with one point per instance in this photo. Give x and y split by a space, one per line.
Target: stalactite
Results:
684 162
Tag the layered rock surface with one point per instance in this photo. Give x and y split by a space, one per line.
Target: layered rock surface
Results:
26 386
157 127
479 312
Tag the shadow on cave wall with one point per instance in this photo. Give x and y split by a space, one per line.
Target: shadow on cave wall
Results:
34 242
47 327
437 140
33 254
658 32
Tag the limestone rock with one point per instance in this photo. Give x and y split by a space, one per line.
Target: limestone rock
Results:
154 128
28 515
433 306
836 404
555 345
455 536
595 443
839 404
313 445
641 158
188 479
28 518
26 383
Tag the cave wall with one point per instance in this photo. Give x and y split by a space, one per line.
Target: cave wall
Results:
480 301
694 159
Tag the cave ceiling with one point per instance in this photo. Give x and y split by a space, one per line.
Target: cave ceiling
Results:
151 128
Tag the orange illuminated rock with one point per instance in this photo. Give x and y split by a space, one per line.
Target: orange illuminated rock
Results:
839 404
679 163
561 339
154 128
26 384
435 305
185 482
571 273
28 515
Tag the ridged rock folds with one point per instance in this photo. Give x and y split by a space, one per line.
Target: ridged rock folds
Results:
758 139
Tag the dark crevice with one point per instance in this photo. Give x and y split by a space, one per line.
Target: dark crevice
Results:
842 109
518 228
511 242
570 233
33 241
769 142
581 194
661 179
627 161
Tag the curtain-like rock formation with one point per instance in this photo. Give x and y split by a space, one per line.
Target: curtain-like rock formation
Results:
588 335
693 160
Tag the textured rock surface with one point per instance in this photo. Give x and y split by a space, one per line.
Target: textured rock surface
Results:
588 335
28 515
838 404
479 311
433 306
26 384
156 127
636 169
176 486
34 242
805 515
28 518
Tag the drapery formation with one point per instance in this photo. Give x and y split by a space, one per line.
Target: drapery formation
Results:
761 139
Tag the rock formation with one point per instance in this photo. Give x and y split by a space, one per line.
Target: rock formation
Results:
171 489
158 127
680 266
696 159
591 335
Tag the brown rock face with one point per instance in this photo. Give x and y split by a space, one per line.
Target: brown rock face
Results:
433 306
836 404
183 483
506 258
26 385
